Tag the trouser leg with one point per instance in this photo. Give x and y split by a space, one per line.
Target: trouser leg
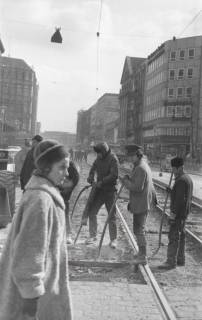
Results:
181 246
94 208
139 222
173 237
109 200
67 217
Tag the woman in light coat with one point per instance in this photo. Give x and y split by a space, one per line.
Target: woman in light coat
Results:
34 267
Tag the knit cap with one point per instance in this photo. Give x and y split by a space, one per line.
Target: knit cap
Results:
48 152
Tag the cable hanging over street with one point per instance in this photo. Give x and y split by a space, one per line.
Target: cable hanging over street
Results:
98 46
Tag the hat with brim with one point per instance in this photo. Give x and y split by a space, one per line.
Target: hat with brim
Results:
133 149
177 162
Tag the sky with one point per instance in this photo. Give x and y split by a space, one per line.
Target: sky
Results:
75 74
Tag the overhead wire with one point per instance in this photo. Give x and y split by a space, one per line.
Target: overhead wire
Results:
192 20
98 46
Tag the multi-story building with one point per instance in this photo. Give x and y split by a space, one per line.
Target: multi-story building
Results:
131 98
18 100
105 111
172 121
83 127
66 138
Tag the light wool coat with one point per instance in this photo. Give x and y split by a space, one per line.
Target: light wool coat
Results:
141 188
34 261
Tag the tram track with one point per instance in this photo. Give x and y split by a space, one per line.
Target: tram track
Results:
88 263
182 285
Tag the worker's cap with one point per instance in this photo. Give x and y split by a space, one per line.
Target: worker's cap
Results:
134 149
37 138
177 162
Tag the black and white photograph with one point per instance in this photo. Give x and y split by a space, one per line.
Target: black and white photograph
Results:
100 160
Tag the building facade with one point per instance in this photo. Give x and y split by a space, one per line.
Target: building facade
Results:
83 128
172 121
131 99
104 114
18 100
66 138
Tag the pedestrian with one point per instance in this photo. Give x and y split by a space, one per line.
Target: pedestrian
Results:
106 168
71 154
86 155
142 195
29 165
34 265
181 198
70 182
20 157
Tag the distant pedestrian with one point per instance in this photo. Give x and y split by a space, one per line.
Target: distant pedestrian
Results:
20 157
29 165
106 168
71 154
34 265
181 198
85 155
66 188
142 195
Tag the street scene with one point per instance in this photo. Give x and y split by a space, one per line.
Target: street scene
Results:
100 160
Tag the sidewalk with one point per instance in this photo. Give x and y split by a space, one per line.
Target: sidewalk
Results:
113 301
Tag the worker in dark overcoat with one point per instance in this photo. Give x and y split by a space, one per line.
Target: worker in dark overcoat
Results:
181 198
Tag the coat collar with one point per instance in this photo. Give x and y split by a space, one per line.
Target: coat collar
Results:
41 183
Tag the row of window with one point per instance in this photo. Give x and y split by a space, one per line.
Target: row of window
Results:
13 90
154 114
156 97
178 111
180 92
160 77
15 74
167 131
182 54
156 64
181 73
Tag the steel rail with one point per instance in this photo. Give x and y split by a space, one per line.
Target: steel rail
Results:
188 231
148 275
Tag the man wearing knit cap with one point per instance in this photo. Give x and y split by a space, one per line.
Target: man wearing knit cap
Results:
106 168
181 198
142 194
28 165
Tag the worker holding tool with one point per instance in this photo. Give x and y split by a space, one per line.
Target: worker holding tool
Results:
142 194
181 198
106 168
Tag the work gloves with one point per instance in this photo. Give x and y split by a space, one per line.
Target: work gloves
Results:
90 180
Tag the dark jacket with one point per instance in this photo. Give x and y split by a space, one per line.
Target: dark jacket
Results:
27 168
105 168
181 196
74 178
